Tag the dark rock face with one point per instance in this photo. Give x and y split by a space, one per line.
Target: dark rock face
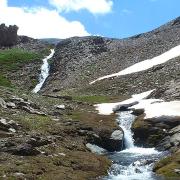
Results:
160 132
111 141
8 35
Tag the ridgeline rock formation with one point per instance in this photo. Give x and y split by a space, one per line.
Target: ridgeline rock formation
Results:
8 35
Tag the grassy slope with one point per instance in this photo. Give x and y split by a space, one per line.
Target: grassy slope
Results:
12 60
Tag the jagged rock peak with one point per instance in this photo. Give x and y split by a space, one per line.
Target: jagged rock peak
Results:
8 35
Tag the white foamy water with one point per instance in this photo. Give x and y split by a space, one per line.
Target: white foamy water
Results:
133 163
146 64
44 72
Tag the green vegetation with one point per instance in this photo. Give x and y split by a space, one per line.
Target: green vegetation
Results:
4 81
167 166
96 98
92 99
13 59
36 122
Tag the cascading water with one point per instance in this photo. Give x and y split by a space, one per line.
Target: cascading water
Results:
133 163
44 72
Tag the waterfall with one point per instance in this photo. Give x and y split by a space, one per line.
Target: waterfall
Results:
125 120
133 163
44 72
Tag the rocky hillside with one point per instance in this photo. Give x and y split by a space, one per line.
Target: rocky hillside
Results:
54 134
20 58
78 61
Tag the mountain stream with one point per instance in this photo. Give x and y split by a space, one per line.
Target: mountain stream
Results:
44 72
133 163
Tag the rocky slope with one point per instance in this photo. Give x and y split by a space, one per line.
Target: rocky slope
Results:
43 137
78 61
20 63
51 135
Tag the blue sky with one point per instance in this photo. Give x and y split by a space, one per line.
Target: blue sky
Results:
110 18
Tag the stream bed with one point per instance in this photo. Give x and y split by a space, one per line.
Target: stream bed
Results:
133 163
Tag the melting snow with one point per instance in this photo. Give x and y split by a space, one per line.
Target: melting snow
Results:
146 64
157 108
107 108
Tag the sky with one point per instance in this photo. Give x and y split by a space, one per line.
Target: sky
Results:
68 18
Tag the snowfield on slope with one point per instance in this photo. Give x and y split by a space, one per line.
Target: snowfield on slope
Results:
146 64
107 108
154 108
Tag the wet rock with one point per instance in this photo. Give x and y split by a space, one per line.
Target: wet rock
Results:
158 131
111 141
117 135
95 149
146 133
137 112
124 107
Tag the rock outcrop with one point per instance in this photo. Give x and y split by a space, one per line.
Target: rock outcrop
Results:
8 35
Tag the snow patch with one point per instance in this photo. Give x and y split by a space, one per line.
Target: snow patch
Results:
146 64
107 108
157 108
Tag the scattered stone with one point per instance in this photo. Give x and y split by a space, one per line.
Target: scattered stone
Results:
24 150
62 107
12 130
32 111
11 105
2 103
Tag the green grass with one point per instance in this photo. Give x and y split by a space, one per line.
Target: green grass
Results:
36 122
12 59
91 99
4 81
97 98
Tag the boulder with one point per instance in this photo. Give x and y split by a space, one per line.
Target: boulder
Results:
146 133
111 141
124 107
160 132
8 126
